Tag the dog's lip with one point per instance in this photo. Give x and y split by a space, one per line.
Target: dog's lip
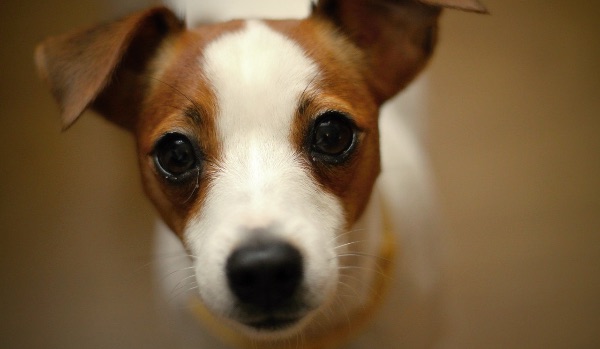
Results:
272 320
273 323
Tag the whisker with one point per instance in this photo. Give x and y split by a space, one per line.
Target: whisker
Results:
172 299
349 243
378 270
343 306
360 254
370 286
304 92
322 318
346 233
351 277
196 186
165 276
350 288
181 283
155 259
182 291
174 255
180 270
327 312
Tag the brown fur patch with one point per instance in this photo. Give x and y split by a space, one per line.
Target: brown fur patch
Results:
181 100
79 66
340 87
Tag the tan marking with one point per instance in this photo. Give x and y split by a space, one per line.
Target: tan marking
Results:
340 87
177 84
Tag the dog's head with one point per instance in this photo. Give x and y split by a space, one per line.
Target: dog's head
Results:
257 140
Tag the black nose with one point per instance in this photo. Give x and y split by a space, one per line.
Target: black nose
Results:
265 274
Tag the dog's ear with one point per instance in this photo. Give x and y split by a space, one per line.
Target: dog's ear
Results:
464 5
396 36
102 67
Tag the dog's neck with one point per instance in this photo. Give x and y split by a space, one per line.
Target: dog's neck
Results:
366 279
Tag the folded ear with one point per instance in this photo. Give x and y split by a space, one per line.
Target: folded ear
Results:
397 37
464 5
102 67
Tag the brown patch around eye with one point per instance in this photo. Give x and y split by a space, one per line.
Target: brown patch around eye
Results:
181 101
194 114
339 87
351 179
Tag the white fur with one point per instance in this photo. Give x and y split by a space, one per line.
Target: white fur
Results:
197 11
258 77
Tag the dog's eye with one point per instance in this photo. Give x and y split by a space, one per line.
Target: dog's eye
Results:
333 136
175 157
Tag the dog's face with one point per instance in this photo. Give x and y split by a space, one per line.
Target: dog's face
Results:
251 145
257 140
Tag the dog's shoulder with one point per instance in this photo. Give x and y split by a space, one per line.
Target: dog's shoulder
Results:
407 195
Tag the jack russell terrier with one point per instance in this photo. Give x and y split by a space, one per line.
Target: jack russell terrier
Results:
260 143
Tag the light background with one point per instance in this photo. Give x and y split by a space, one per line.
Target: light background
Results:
513 133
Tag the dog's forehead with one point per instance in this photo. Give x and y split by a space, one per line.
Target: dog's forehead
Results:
248 92
262 67
258 76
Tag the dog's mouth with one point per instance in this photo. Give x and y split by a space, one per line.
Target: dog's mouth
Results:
272 323
286 317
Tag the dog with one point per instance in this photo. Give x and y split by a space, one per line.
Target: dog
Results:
260 143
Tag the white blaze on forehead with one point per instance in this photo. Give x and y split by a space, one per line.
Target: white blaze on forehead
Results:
258 76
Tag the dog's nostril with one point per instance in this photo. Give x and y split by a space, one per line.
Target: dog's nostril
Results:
264 273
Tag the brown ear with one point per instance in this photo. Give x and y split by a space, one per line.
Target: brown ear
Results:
396 36
102 67
464 5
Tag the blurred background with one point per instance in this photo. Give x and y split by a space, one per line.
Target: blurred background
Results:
513 132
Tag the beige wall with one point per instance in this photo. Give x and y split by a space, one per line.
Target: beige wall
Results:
514 123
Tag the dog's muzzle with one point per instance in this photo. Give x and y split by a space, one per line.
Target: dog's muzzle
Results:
265 275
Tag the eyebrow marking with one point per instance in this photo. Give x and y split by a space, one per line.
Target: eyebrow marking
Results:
306 97
195 113
304 104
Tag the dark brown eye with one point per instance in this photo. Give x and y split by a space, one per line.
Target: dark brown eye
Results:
175 157
333 136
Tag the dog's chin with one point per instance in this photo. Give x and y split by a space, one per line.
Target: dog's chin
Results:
273 327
